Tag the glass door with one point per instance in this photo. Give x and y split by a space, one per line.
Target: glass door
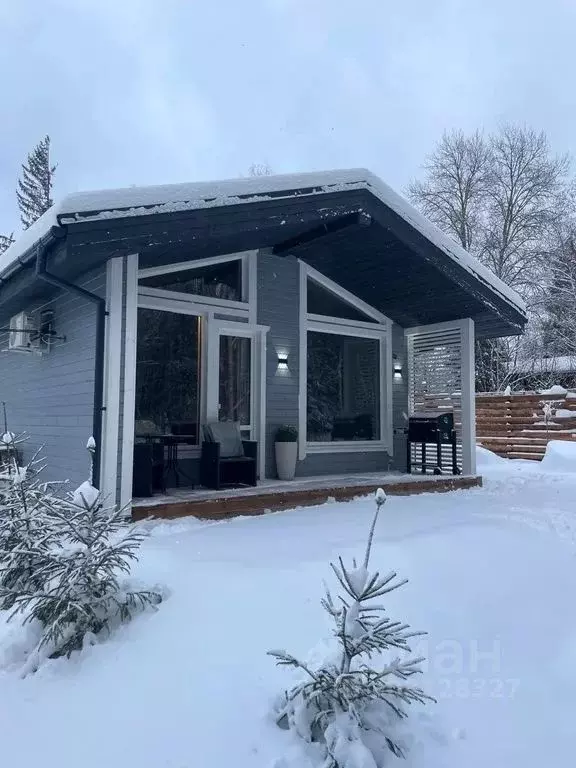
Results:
235 386
236 379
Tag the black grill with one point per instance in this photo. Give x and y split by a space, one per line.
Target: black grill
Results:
436 428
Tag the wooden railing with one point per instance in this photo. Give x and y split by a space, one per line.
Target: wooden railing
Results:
520 425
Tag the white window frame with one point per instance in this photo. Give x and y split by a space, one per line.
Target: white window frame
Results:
258 335
245 308
211 330
380 330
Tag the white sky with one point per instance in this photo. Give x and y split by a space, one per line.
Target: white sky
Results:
160 91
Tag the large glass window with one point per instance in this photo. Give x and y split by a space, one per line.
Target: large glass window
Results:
218 281
168 375
343 393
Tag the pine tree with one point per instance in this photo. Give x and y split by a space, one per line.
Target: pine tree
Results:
34 191
345 704
6 241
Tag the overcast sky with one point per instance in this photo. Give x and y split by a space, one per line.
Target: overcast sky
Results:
160 91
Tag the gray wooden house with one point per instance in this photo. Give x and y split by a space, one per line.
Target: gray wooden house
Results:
321 300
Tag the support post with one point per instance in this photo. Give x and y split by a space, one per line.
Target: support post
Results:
113 367
468 375
130 342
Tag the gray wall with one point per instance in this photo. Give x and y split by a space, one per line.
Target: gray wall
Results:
278 307
278 284
400 399
51 397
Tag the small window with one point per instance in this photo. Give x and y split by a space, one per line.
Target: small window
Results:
218 281
321 301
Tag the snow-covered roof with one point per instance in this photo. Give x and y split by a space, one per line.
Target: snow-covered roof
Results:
144 201
554 364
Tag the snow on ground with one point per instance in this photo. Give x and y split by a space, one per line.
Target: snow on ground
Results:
492 575
560 456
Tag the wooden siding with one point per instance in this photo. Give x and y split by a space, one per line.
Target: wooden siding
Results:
51 398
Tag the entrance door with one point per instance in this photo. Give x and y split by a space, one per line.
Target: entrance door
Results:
236 379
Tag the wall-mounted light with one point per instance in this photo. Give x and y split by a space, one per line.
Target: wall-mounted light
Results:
282 361
397 370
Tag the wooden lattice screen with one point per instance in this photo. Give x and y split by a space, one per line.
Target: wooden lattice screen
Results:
435 381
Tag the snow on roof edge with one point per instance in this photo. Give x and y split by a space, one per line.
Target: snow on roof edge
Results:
28 239
131 201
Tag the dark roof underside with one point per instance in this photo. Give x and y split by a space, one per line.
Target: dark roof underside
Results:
387 264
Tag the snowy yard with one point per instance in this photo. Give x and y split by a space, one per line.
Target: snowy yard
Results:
492 579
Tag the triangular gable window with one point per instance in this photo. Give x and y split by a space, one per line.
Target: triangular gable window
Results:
321 301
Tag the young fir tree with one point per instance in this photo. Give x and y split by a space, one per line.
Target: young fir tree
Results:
26 529
346 705
34 192
83 594
61 561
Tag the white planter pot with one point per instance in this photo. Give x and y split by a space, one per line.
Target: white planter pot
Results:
286 455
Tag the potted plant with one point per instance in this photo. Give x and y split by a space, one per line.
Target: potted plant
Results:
286 446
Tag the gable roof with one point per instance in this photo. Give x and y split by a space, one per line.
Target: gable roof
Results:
145 201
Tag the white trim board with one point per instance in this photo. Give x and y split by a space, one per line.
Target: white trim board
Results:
303 358
183 266
218 305
131 338
113 368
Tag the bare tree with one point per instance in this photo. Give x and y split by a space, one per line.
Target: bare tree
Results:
454 189
6 241
526 190
559 305
34 192
503 198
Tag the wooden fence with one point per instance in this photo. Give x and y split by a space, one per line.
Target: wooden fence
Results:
520 425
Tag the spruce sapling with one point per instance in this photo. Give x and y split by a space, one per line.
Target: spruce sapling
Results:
346 705
83 594
76 592
26 529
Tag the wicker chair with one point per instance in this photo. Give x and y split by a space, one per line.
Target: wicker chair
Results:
227 460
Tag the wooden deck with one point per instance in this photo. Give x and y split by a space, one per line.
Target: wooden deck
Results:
271 495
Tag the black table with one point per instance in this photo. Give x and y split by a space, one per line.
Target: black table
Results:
171 443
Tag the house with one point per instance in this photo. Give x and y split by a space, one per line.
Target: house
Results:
321 300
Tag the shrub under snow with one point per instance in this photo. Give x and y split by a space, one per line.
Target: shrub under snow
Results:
347 705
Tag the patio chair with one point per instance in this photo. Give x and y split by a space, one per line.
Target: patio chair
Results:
227 460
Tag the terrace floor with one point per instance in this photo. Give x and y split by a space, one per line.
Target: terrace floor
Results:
270 495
